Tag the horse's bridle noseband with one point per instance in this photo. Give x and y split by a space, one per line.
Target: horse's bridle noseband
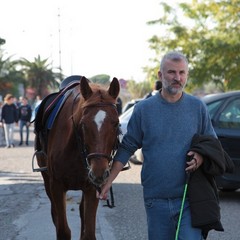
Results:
98 155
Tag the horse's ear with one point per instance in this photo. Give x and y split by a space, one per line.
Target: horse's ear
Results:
114 88
86 91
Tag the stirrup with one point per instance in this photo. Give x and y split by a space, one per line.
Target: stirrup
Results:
41 169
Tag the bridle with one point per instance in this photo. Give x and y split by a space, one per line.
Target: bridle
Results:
80 138
87 156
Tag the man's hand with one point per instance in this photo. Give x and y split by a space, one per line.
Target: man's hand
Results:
195 163
116 168
104 191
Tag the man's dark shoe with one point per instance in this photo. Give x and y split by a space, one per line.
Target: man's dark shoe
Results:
133 159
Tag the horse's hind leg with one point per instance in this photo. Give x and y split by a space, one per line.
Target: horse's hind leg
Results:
88 208
59 206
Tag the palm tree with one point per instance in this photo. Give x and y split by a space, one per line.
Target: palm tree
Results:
40 76
10 78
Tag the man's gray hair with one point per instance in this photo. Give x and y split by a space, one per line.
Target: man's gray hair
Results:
174 56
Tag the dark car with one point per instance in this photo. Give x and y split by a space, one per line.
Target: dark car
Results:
224 110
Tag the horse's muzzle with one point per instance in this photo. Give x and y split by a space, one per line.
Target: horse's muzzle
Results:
98 180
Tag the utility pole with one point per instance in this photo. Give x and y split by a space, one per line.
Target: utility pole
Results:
59 41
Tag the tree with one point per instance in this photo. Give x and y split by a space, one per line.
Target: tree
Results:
207 32
103 79
40 76
138 90
9 76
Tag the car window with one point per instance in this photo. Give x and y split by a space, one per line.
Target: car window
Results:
213 107
230 116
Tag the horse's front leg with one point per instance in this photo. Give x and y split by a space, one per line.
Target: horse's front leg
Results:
59 200
48 191
88 213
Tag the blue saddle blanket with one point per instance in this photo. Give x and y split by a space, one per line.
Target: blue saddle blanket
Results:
57 109
55 112
50 107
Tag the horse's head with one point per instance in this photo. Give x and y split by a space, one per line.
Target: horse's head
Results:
99 127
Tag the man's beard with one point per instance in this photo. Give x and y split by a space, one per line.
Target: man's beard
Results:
171 89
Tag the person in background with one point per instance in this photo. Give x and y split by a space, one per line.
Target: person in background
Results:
25 113
18 102
2 137
157 86
35 107
37 101
9 118
163 126
119 106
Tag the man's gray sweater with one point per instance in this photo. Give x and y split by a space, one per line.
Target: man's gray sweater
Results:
164 131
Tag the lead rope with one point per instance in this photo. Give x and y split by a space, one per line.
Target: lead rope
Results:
182 205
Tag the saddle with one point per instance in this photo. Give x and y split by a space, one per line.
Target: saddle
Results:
46 115
51 105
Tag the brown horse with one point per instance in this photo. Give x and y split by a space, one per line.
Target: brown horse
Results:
79 153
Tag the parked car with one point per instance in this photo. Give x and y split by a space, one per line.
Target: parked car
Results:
224 110
123 119
137 158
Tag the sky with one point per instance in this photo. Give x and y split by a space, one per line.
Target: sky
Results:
86 37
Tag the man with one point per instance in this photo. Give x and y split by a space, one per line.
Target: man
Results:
25 113
163 126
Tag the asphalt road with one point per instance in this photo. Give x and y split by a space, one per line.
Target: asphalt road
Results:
25 208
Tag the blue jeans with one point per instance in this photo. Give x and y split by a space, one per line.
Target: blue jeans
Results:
162 220
23 123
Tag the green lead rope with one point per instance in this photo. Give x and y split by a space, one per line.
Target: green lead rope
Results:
182 206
